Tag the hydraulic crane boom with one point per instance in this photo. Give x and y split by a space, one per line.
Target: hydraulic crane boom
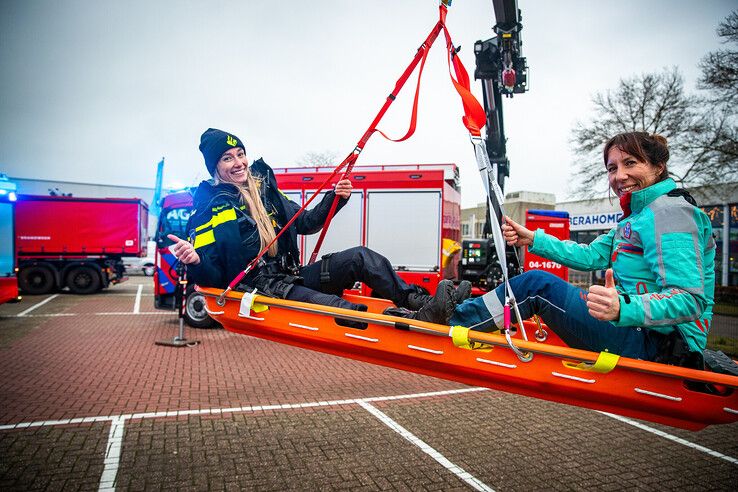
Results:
503 72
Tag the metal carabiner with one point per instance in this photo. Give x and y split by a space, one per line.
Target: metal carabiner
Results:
540 334
221 298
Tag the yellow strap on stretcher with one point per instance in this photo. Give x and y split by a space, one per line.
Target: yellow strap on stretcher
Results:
460 338
605 363
259 308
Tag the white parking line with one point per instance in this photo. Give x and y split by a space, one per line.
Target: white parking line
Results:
112 455
53 315
465 476
250 408
672 437
115 436
38 305
137 304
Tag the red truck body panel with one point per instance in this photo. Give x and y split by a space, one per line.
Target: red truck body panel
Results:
8 289
552 222
51 225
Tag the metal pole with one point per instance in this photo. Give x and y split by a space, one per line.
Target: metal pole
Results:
181 298
726 244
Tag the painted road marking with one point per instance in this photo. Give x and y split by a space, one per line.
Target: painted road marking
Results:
52 315
115 437
112 455
250 408
38 305
672 437
475 483
137 304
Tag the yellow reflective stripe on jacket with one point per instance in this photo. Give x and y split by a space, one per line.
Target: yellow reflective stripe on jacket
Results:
219 218
204 237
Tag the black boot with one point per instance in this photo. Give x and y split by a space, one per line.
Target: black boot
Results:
463 291
416 300
359 325
438 309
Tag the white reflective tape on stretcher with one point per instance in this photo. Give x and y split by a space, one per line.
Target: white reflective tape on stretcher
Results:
573 378
359 337
304 327
423 349
495 363
658 395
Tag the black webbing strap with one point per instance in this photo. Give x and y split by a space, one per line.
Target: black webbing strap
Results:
325 273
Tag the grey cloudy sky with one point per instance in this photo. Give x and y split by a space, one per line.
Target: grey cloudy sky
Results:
99 91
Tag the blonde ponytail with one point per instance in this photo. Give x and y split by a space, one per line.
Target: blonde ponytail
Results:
249 194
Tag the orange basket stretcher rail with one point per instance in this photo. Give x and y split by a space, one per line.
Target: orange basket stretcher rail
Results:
634 388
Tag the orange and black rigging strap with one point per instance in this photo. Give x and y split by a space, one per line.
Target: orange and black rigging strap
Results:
474 119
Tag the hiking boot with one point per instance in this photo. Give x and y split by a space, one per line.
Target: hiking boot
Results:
416 300
462 292
438 309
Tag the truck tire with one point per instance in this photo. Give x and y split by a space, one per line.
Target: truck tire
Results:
195 314
83 280
148 270
35 280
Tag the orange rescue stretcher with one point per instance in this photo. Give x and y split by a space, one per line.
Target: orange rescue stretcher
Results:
670 395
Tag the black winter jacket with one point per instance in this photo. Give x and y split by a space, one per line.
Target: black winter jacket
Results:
225 236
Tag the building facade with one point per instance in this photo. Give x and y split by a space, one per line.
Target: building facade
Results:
516 205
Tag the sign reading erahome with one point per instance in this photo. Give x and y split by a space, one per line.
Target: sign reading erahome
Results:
596 221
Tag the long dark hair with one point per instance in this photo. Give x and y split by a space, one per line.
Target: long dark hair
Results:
646 147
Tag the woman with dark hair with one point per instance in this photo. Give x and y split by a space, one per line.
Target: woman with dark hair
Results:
240 211
657 300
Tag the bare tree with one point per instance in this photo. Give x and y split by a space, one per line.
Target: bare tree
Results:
719 82
327 158
720 68
654 103
701 128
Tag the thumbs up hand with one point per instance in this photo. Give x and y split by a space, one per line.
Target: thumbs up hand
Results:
603 302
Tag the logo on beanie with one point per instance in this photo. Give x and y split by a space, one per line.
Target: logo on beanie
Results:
231 141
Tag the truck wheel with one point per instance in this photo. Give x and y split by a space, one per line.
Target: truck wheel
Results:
83 280
36 280
195 314
148 270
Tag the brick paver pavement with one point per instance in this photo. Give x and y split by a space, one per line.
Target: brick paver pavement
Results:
85 364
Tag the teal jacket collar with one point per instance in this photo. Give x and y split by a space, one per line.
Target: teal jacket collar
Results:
637 201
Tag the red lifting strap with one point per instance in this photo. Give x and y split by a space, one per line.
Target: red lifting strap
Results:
349 161
420 57
474 119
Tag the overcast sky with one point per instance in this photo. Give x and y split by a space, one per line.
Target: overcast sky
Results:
98 91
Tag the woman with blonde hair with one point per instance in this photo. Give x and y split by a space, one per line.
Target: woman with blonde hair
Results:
241 210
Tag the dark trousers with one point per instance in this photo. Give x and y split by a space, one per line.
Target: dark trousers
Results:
345 268
563 307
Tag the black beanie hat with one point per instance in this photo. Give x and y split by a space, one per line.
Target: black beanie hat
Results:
213 143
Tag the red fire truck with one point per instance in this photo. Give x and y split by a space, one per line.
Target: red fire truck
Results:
8 279
411 213
76 242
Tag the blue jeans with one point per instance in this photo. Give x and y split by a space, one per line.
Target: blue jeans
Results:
563 307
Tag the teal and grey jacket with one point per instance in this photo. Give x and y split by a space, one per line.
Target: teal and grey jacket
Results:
226 238
662 253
